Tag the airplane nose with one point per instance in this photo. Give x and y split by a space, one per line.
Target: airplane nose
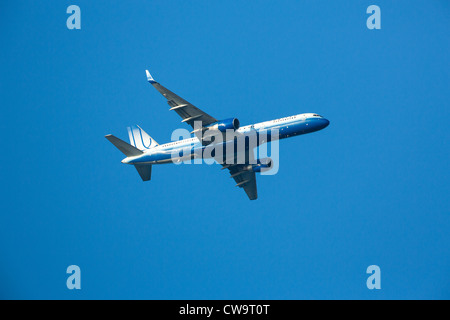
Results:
325 123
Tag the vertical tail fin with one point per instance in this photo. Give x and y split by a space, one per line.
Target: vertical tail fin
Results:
140 139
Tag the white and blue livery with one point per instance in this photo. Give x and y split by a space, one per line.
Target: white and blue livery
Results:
143 151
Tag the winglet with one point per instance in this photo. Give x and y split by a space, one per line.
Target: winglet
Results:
149 77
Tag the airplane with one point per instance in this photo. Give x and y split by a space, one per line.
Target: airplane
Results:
143 151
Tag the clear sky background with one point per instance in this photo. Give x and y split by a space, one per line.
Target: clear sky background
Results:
372 188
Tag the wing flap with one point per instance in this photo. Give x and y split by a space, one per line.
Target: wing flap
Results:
244 177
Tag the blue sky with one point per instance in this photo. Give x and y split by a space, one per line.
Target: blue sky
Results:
372 188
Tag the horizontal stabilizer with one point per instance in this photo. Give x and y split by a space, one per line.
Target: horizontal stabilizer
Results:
125 148
144 170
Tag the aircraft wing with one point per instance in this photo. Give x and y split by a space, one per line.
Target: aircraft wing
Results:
245 179
188 112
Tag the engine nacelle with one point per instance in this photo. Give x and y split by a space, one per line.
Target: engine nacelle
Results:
265 163
224 125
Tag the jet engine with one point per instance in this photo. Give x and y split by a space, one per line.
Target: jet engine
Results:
265 163
224 125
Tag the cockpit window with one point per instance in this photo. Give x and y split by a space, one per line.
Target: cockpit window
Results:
317 115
